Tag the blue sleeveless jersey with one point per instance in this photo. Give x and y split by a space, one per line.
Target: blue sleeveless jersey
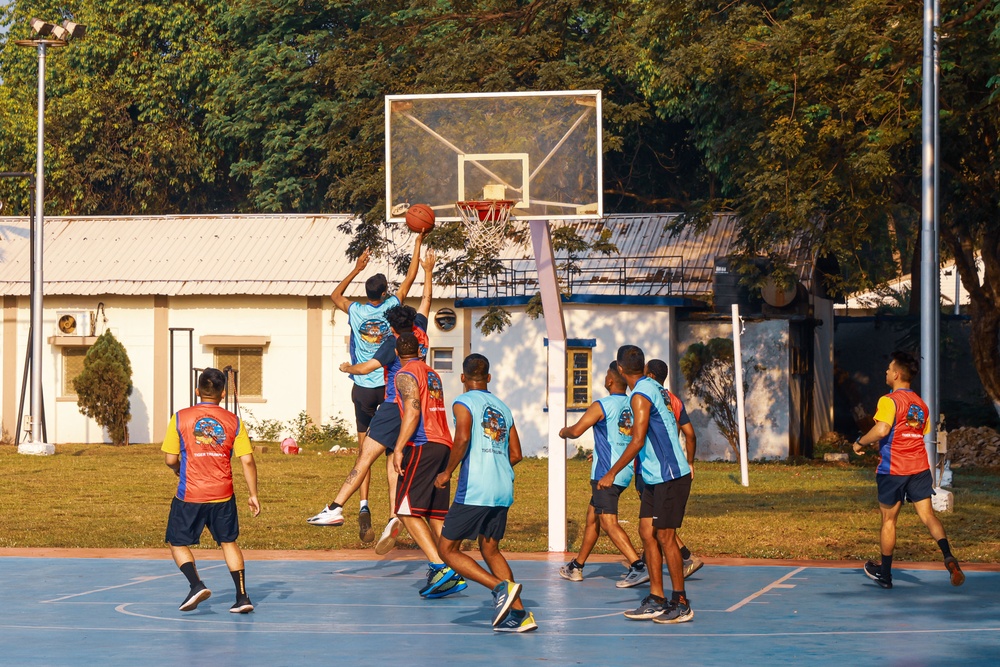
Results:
662 458
611 436
486 478
368 329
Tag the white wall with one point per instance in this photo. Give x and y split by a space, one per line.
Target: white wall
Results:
518 359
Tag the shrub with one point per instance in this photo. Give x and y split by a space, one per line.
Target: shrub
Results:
104 387
264 430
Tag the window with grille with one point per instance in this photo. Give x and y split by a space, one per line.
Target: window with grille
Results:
443 359
72 366
248 362
578 377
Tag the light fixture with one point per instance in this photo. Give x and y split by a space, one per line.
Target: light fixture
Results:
41 27
74 30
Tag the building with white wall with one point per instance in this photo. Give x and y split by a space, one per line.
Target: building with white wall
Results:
252 292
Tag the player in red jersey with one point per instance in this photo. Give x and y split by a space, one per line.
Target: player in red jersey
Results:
903 471
199 445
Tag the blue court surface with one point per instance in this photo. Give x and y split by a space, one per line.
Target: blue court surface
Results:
81 611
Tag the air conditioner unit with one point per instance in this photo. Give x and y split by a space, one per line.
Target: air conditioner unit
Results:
72 323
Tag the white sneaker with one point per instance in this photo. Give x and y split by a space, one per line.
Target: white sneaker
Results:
692 565
328 517
387 542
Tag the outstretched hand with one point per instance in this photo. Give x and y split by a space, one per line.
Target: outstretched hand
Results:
362 261
428 261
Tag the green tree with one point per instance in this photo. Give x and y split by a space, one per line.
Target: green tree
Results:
104 386
709 374
809 116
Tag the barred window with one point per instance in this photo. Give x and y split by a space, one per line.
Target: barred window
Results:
578 377
248 362
72 366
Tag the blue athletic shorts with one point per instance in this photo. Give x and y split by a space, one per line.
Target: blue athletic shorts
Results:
605 501
468 522
894 489
385 425
188 520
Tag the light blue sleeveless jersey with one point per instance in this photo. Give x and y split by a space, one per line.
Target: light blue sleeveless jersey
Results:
611 436
368 329
662 458
486 478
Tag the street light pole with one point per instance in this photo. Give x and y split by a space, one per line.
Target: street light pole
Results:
47 34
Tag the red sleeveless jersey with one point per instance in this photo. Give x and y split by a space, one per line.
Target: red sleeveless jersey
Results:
433 425
903 451
207 433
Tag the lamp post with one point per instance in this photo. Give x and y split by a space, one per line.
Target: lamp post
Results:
46 35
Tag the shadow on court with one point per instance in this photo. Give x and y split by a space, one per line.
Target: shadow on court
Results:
79 611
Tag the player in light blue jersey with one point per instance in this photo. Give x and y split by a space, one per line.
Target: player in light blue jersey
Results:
487 446
666 469
611 420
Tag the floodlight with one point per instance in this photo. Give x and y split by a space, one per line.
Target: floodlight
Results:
74 30
60 32
40 27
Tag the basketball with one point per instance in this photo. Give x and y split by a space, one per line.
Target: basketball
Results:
420 218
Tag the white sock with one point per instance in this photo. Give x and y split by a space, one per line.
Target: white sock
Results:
364 504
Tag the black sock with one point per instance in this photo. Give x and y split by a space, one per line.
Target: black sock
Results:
677 596
189 571
685 553
945 548
638 565
657 599
239 578
334 505
887 566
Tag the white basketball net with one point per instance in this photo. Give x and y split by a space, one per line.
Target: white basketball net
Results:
486 223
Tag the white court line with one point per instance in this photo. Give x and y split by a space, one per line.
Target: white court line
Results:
777 584
134 582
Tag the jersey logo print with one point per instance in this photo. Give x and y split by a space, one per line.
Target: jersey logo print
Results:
625 423
374 331
434 387
915 417
494 425
209 433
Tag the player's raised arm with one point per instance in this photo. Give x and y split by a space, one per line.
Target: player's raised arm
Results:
411 272
339 300
428 265
593 415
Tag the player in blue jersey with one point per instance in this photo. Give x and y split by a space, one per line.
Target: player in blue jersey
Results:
666 469
369 329
611 420
487 446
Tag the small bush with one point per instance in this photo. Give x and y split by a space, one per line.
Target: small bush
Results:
306 433
104 387
263 430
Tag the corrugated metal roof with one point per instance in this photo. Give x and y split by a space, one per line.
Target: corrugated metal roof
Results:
306 255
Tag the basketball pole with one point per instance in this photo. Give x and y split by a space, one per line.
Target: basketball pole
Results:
555 329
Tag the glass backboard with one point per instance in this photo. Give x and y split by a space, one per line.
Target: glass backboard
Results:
540 149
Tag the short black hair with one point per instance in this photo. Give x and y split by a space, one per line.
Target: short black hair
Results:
631 360
407 345
401 318
212 382
658 369
907 364
476 367
616 377
376 287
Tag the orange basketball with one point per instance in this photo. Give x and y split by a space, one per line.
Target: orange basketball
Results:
420 218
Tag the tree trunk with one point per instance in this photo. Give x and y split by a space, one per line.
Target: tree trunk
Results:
985 341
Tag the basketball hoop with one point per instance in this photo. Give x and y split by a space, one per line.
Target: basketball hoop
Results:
485 223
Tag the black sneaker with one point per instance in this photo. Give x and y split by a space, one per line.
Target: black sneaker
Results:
874 572
198 594
365 531
242 606
957 576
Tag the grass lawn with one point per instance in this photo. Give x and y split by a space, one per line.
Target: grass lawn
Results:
118 497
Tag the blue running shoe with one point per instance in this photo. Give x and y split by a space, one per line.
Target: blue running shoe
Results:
517 621
677 612
504 595
437 576
447 588
651 607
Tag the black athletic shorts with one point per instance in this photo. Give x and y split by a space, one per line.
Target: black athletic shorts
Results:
188 520
894 489
385 425
366 401
665 502
605 501
468 522
416 494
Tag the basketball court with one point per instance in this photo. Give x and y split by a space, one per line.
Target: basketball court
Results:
352 610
